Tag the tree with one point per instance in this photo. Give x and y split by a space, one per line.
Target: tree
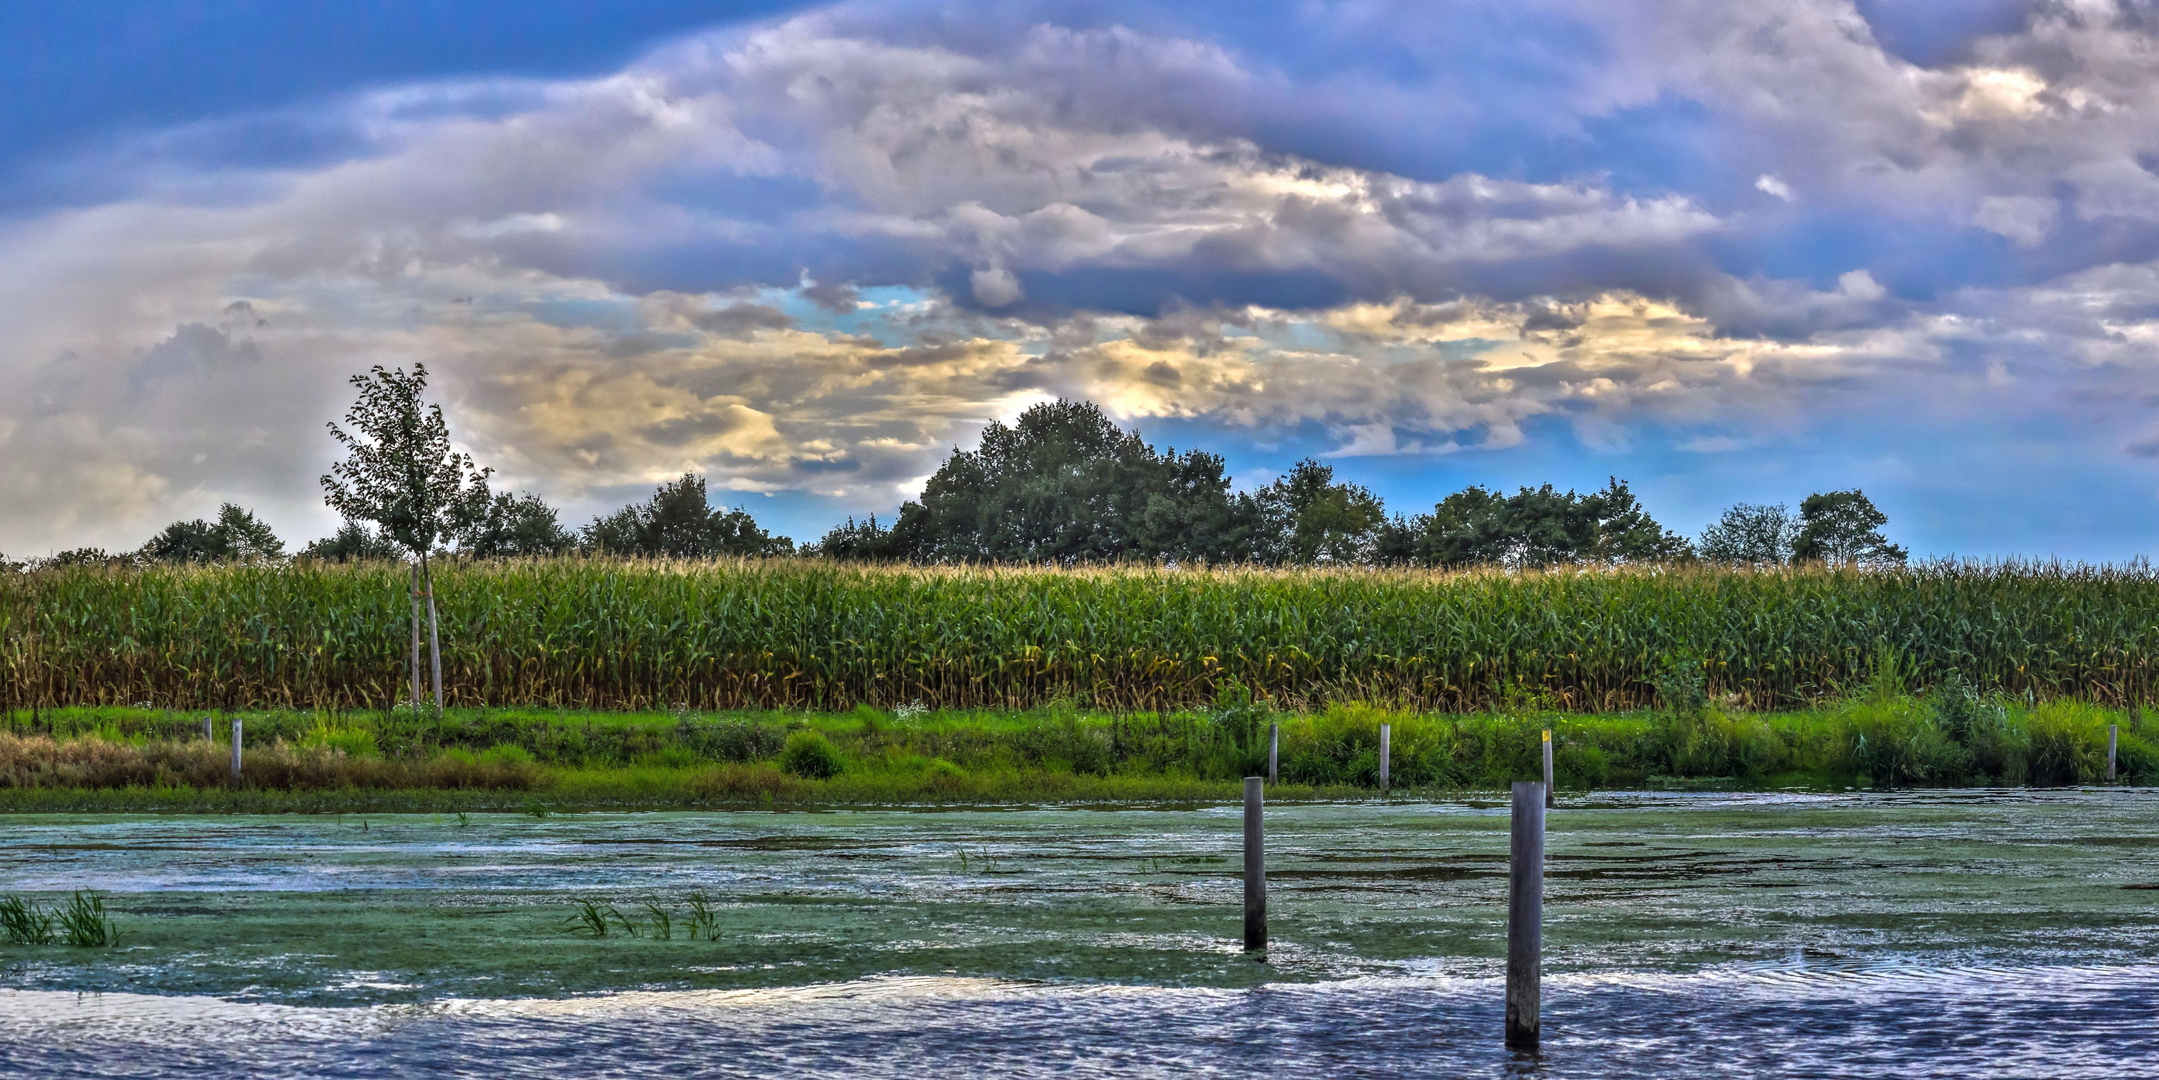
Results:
401 475
1535 527
88 556
1064 484
865 541
505 526
679 522
353 542
1843 527
236 536
1751 534
1309 518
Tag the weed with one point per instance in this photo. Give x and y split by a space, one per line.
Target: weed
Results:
24 921
1682 687
83 921
704 922
591 918
663 924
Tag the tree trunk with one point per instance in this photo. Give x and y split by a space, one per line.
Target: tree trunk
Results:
434 633
415 665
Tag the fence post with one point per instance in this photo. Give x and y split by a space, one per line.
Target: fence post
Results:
1525 915
236 748
1550 792
1274 752
1386 733
209 734
1255 866
2113 730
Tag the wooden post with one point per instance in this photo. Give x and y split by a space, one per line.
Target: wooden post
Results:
1525 915
1255 866
1386 733
1550 792
2113 730
236 748
1274 752
209 734
416 635
434 634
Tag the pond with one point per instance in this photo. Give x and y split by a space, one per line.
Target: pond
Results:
1934 934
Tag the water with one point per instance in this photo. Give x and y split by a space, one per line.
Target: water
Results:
1955 934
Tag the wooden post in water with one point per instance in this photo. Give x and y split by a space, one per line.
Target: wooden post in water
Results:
1274 752
1550 791
1255 866
1386 734
236 748
2113 730
1525 915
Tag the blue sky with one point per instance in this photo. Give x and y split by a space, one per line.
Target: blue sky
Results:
1729 251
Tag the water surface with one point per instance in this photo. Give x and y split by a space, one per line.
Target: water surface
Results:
1806 935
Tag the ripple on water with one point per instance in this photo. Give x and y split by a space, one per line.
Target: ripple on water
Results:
1908 1022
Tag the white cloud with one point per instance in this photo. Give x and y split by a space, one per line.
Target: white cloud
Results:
662 269
2023 220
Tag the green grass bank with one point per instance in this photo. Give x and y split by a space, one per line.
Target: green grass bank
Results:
111 758
809 635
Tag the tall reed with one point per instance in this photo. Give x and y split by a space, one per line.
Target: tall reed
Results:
793 633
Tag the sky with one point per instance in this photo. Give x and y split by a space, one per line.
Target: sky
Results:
1726 250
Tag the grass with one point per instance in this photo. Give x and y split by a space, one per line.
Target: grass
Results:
80 921
24 922
536 762
805 635
597 918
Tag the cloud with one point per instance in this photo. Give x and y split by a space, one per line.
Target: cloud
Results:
811 255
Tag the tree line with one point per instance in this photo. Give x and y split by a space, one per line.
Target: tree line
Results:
1061 485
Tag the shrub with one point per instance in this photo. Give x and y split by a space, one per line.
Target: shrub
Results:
736 781
944 779
1682 688
810 755
509 754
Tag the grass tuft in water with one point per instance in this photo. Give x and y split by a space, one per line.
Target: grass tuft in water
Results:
591 918
83 921
704 922
24 922
663 924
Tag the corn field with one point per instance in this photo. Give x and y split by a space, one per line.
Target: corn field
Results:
805 634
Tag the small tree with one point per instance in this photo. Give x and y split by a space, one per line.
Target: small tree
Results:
1533 528
680 523
865 541
402 475
1843 527
236 536
506 525
1751 534
353 542
1310 518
